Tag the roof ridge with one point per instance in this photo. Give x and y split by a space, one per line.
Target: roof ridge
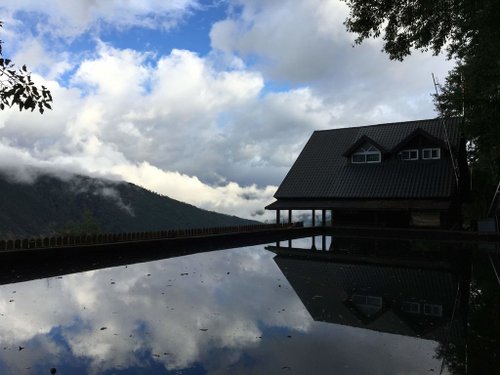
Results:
389 123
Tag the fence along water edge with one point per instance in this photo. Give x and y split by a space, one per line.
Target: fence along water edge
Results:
110 238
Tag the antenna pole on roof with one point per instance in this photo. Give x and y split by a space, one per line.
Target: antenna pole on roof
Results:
445 130
496 197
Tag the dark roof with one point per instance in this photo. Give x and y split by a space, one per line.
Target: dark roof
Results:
323 171
357 204
323 288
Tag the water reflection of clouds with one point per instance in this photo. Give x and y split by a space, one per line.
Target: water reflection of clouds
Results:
230 309
308 242
182 307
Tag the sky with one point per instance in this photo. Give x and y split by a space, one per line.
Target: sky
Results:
207 102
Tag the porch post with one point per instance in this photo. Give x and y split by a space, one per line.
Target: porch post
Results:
289 216
277 216
314 218
323 217
331 218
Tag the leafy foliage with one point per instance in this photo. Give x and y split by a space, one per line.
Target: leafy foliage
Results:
417 24
468 30
17 88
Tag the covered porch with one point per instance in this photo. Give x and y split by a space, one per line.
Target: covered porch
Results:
390 213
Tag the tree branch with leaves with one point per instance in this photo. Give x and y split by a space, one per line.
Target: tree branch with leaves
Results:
18 89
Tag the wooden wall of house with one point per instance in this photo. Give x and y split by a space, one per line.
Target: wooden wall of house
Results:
392 219
450 219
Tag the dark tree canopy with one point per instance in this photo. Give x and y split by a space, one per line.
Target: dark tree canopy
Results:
469 31
17 88
418 24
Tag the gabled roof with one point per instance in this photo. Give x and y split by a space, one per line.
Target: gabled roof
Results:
416 133
364 139
322 171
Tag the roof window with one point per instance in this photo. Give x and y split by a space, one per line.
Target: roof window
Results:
431 153
433 310
409 154
366 154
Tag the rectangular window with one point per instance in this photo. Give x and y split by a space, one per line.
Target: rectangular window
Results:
358 158
366 154
360 299
373 158
408 155
374 301
433 310
431 153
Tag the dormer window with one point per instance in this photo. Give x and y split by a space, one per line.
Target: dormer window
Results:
431 153
368 305
409 154
366 154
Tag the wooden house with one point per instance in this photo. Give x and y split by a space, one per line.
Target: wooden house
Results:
397 175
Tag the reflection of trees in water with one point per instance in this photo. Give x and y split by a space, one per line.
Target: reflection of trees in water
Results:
452 351
483 326
483 335
453 357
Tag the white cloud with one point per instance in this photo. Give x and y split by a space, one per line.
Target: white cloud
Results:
115 74
43 60
230 198
72 18
305 42
296 40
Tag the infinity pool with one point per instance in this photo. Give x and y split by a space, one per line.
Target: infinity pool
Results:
355 308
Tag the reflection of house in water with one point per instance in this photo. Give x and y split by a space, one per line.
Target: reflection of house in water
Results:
416 297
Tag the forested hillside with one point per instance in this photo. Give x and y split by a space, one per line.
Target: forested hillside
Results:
50 205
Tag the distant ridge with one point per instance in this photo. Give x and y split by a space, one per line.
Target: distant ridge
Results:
50 204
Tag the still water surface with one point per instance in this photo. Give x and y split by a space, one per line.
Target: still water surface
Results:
377 308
